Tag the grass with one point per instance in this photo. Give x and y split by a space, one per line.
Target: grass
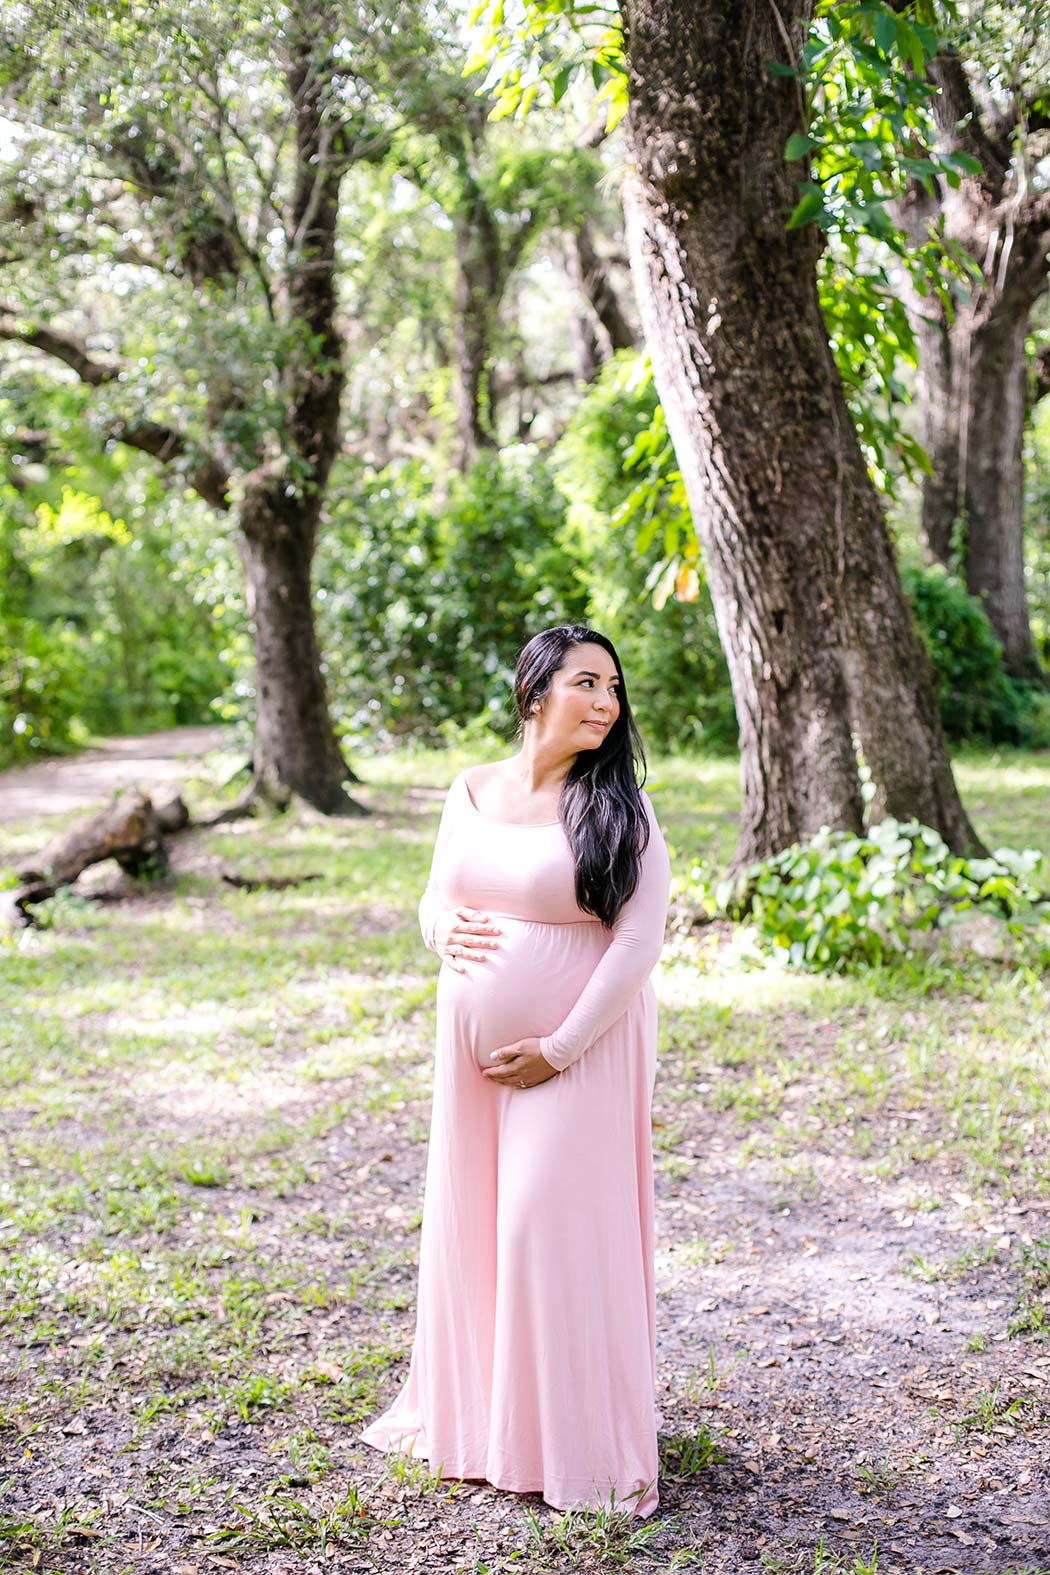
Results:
823 1561
208 1095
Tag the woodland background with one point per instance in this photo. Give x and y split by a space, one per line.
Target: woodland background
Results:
333 369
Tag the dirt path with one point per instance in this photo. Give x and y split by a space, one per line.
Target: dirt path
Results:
54 787
210 1241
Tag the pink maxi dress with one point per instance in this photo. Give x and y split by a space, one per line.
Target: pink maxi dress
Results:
534 1359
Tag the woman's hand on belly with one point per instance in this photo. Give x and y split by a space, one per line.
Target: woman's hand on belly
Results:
464 933
519 1065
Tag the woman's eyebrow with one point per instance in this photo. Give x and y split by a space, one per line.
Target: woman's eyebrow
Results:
584 673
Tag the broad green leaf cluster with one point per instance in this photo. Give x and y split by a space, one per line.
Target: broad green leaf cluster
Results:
841 901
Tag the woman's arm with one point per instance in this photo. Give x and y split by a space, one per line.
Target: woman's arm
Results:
638 937
432 904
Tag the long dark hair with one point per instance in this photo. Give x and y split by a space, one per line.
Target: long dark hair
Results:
601 805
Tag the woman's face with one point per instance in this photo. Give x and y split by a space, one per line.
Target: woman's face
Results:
583 701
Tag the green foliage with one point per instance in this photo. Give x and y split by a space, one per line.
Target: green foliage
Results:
841 901
867 111
868 133
550 45
629 519
425 601
977 698
111 618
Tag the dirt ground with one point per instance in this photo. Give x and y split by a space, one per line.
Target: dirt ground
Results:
804 1350
54 787
860 1399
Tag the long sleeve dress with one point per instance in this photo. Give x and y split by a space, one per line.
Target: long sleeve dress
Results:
534 1359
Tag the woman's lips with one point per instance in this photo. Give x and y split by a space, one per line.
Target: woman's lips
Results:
601 726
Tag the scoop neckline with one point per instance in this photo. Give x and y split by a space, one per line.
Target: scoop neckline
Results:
523 825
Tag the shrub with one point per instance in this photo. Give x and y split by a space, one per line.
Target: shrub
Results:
841 901
977 698
427 590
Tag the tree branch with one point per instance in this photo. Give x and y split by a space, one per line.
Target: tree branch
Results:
64 347
204 472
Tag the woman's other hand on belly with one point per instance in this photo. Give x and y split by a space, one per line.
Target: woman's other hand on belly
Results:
519 1065
464 934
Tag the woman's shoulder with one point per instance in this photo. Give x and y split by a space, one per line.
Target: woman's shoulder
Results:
484 770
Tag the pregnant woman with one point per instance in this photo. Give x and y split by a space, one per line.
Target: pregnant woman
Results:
534 1360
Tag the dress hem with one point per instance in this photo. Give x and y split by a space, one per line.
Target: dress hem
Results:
562 1497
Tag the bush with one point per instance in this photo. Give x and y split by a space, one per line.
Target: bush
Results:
978 700
105 628
842 901
424 600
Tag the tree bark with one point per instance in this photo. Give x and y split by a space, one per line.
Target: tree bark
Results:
295 749
937 397
973 405
993 496
600 327
477 289
972 374
816 629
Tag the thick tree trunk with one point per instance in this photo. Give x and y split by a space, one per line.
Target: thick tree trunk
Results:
973 406
815 626
937 396
295 748
973 389
993 493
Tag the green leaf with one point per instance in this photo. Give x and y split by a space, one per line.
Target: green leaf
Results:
808 209
798 145
885 31
560 81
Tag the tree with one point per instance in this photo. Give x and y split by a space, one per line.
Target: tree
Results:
992 106
499 198
819 639
213 208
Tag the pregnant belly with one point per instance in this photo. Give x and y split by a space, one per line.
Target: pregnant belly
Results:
525 988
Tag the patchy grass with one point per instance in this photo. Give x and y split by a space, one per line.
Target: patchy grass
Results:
215 1106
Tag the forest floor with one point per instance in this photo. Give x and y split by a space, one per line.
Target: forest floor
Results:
214 1114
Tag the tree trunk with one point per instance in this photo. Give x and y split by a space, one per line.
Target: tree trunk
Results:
972 375
295 748
937 396
815 626
973 404
477 276
972 394
600 327
993 495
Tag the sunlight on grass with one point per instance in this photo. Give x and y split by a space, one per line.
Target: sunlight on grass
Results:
217 1106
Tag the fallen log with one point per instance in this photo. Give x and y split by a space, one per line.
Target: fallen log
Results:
130 830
